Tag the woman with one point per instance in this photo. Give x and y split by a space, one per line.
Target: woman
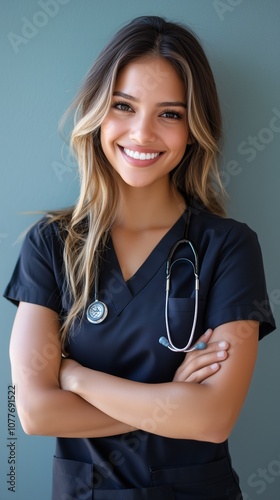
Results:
137 418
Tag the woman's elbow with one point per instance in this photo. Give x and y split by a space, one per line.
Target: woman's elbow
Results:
30 420
217 435
219 428
29 428
209 429
34 414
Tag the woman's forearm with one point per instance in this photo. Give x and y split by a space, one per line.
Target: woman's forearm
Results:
43 407
156 408
54 412
205 411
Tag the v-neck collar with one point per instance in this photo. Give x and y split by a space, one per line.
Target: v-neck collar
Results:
124 291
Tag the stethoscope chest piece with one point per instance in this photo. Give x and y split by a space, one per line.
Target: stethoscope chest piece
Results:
97 312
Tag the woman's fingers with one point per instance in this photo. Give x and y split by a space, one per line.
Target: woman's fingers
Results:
188 371
206 336
201 375
196 361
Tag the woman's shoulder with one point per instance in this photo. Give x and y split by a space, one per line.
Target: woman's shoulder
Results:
223 226
223 234
50 229
45 228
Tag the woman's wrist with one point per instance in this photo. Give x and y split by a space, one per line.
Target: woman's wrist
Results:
71 376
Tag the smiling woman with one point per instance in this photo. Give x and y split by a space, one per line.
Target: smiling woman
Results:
146 129
136 420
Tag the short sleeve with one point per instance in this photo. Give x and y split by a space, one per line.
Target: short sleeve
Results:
36 275
238 290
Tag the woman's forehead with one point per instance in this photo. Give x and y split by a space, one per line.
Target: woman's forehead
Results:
148 75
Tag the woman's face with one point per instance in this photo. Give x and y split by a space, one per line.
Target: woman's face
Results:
145 133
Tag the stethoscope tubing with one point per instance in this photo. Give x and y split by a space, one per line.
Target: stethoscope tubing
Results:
195 267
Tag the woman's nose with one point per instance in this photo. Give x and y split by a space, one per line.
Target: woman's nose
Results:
142 130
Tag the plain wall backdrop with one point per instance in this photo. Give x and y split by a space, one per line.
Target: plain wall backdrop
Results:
47 46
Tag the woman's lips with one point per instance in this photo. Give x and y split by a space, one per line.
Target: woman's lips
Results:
140 158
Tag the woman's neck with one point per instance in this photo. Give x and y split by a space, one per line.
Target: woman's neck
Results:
148 207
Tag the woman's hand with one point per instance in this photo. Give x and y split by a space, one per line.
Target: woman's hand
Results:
67 375
198 365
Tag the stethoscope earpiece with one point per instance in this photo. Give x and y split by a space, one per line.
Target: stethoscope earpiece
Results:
198 347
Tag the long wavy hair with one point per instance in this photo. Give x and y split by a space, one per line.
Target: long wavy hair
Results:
88 223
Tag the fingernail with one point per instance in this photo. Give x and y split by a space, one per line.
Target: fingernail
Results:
221 354
208 331
214 366
222 344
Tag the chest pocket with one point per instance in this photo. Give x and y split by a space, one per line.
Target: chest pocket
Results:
181 313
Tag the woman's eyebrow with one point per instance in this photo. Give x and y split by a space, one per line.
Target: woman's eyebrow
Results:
126 96
160 104
172 103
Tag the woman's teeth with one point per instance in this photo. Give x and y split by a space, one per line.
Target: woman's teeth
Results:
140 156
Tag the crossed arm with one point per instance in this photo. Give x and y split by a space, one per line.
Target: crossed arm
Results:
68 400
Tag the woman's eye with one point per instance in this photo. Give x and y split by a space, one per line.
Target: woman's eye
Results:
121 106
172 114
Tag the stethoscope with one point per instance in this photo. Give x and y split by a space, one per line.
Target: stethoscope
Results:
97 311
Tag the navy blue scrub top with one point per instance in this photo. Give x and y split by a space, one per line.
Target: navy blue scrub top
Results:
142 465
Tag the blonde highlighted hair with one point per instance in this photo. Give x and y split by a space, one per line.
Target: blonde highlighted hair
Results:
88 223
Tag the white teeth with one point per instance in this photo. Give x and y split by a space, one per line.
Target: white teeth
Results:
140 156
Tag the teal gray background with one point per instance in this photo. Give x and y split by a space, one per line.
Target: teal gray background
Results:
46 48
